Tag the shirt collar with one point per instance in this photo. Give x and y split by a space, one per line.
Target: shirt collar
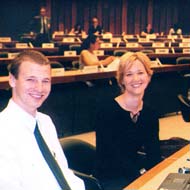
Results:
24 117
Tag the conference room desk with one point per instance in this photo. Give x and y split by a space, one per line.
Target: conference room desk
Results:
73 104
46 51
80 75
152 179
164 58
9 44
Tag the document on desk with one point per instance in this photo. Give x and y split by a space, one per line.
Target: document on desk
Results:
113 66
175 181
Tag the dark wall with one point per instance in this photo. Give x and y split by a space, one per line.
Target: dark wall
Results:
116 16
15 16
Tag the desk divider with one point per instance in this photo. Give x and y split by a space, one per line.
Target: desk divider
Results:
48 45
21 45
132 44
184 44
165 51
5 39
70 53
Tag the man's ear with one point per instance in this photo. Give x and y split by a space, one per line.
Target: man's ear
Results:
12 80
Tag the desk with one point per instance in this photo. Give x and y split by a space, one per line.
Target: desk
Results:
54 50
63 59
75 108
153 178
78 75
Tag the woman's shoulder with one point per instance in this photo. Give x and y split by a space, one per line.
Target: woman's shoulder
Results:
84 51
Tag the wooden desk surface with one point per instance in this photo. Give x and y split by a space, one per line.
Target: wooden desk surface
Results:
12 49
153 178
79 75
63 58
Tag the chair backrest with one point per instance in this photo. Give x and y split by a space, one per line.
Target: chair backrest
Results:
183 60
119 52
56 64
75 47
185 107
4 70
80 155
75 64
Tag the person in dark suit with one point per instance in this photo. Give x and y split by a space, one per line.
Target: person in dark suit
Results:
40 26
95 28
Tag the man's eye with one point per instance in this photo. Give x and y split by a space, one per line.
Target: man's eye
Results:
46 81
30 80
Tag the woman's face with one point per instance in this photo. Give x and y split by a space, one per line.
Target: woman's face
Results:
135 79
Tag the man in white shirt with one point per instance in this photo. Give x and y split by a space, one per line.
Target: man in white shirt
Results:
22 164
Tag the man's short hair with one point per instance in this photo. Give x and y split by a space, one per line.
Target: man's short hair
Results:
29 55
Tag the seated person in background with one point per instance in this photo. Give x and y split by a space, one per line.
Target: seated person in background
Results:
87 55
148 30
175 30
95 28
126 127
77 30
23 164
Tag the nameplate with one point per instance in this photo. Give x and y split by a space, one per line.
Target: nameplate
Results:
186 50
162 51
12 55
115 40
158 44
185 39
48 45
184 44
154 63
107 36
129 36
5 39
151 36
21 45
143 40
68 40
98 52
57 71
90 69
70 53
57 33
106 45
172 36
132 45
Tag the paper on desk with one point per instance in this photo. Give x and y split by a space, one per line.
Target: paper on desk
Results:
113 66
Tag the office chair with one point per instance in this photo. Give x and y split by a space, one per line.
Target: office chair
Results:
4 54
119 53
185 74
185 107
56 64
75 64
4 70
75 47
81 159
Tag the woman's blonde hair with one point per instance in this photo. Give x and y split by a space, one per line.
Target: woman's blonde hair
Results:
126 62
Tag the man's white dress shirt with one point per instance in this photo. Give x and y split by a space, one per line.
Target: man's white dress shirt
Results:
22 166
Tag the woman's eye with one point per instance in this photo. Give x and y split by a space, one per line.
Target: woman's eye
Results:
128 74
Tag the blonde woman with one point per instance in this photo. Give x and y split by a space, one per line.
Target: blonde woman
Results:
126 126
